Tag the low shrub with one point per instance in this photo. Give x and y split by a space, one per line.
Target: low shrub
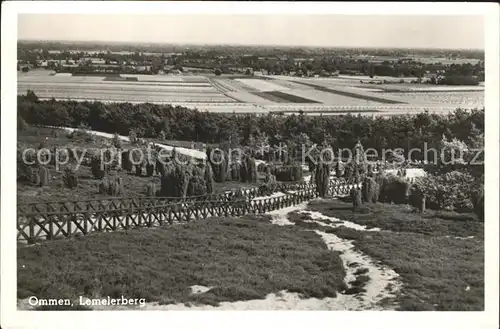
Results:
126 161
82 133
117 142
209 179
138 170
261 167
478 202
235 171
97 170
449 191
111 187
288 173
43 177
370 190
70 179
150 169
197 186
394 190
356 198
25 166
151 189
416 197
176 181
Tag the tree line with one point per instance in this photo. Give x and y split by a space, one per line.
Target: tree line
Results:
179 123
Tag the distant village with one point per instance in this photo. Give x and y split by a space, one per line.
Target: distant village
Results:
392 69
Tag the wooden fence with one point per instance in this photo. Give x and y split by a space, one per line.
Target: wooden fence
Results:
38 222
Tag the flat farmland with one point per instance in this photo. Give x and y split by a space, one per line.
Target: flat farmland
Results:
467 99
403 93
240 94
261 85
137 88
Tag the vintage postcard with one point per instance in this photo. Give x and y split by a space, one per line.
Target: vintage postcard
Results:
249 157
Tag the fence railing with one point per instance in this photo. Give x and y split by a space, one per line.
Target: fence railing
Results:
38 222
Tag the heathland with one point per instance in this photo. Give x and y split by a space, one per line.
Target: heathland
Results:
394 242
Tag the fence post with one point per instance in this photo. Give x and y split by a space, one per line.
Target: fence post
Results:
32 231
86 220
69 220
50 236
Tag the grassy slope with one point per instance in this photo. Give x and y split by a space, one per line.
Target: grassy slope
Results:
242 259
436 270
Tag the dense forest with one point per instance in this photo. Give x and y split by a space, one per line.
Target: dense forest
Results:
179 123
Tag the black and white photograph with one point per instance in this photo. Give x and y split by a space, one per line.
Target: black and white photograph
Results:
220 159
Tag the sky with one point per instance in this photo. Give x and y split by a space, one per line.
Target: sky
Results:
304 30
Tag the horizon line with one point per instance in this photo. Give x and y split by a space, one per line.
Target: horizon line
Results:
239 44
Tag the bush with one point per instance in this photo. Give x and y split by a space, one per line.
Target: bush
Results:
251 169
82 133
111 187
160 167
380 179
96 169
288 173
104 187
150 169
322 178
151 189
349 171
69 178
449 191
339 172
266 189
117 142
21 124
126 162
416 196
270 179
25 171
175 181
209 179
235 171
138 170
478 202
369 171
43 177
356 198
133 137
197 186
370 190
219 165
394 190
261 167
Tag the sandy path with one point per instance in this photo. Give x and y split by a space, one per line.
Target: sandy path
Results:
188 152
